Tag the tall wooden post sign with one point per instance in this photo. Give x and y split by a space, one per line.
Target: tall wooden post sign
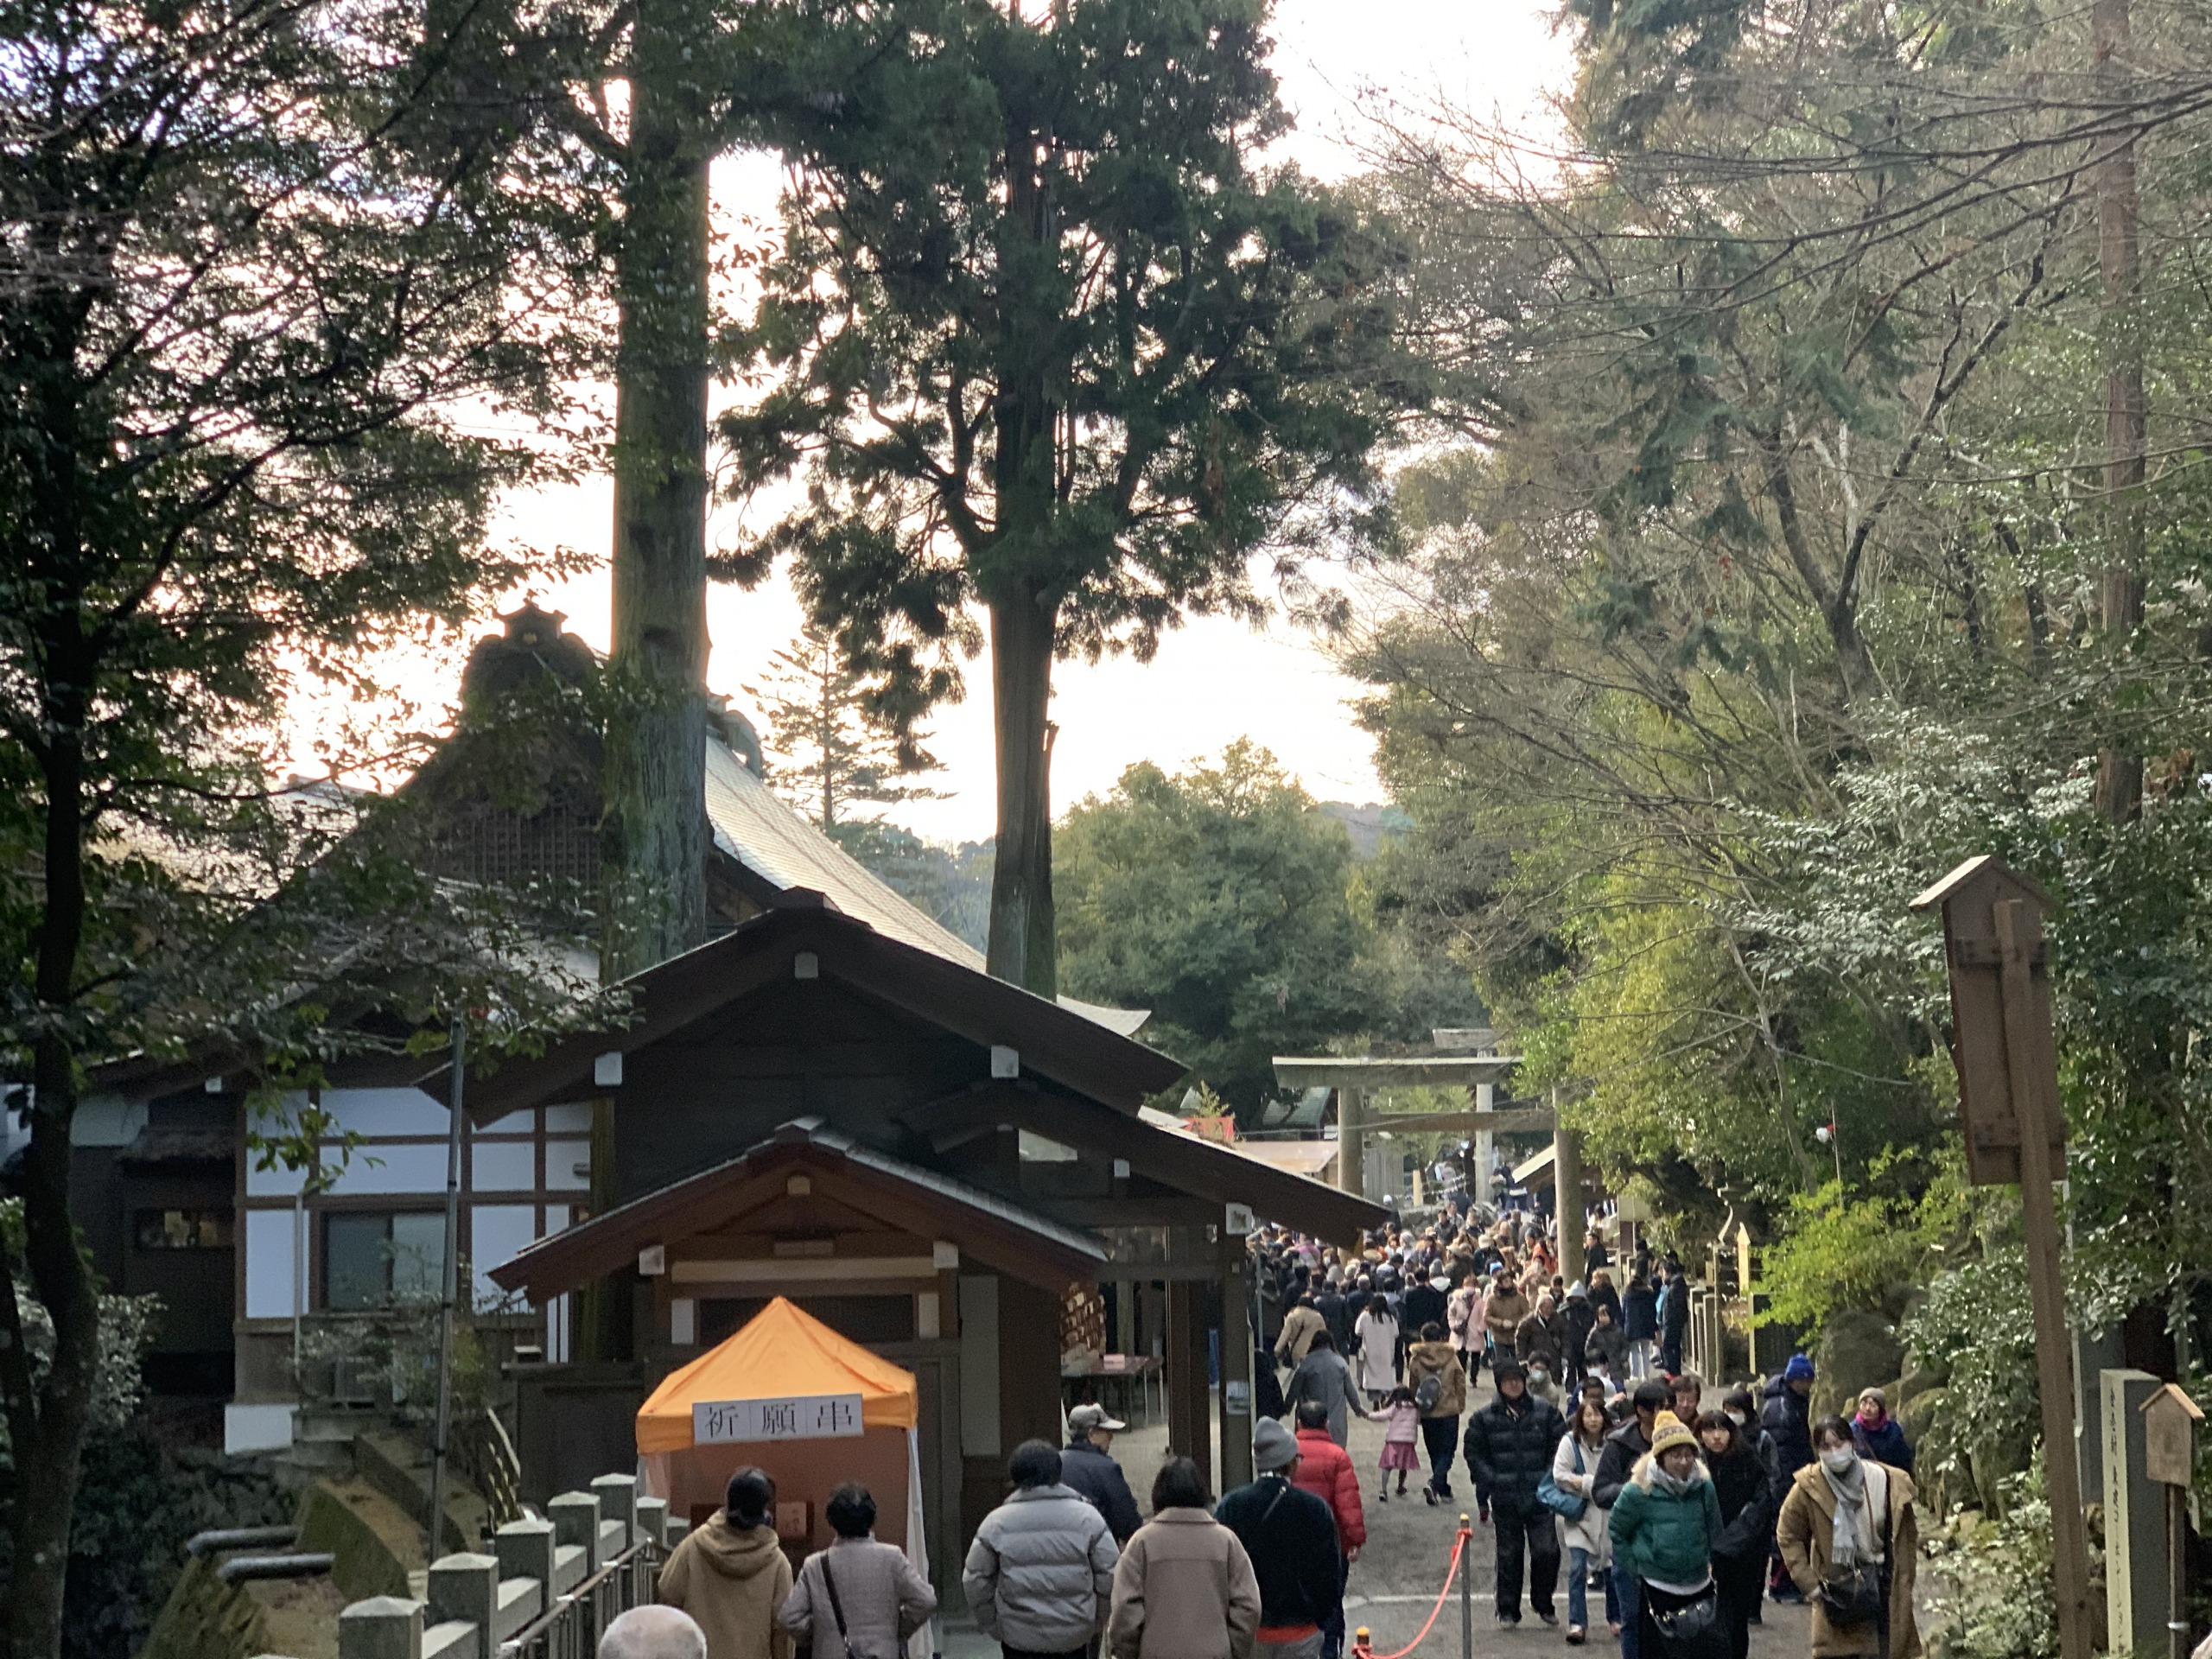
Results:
2169 1421
2007 1062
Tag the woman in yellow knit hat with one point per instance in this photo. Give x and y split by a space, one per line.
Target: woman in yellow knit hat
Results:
1664 1527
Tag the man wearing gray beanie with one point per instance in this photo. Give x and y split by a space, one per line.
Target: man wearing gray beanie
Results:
1291 1536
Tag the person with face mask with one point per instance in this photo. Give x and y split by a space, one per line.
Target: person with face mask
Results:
1664 1527
1850 1537
1542 1384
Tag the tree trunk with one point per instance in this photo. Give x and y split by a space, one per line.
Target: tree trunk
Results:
654 839
1025 615
47 1424
1023 947
2119 590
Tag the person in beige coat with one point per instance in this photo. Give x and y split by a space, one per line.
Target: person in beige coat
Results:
1297 1329
732 1574
1184 1587
1841 1509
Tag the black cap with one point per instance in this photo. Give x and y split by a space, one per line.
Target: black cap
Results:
1506 1368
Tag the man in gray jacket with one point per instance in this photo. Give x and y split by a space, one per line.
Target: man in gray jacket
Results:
1040 1577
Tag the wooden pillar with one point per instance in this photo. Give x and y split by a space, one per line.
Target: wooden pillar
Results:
1352 1145
1190 1432
1123 1337
1237 1420
1485 1143
2034 1106
1566 1179
602 1328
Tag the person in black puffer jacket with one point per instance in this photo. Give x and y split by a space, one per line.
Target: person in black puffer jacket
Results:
1748 1507
1786 1419
1509 1445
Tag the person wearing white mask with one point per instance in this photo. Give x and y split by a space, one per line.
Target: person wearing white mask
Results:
1851 1539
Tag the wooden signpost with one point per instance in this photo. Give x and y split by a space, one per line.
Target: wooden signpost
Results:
2007 1062
2169 1421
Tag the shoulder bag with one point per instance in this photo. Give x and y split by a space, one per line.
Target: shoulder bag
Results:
837 1611
1852 1596
1692 1630
1568 1506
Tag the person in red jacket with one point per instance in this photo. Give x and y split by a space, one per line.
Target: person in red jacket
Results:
1324 1470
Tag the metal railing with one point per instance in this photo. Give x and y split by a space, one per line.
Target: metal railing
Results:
570 1628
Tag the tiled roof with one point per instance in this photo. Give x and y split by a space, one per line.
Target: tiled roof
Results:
777 844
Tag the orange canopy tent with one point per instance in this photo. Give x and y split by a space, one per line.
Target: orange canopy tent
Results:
793 1380
781 1352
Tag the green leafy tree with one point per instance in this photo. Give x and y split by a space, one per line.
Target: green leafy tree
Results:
235 354
1218 898
1044 338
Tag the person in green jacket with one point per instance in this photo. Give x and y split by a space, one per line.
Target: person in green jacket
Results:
1664 1527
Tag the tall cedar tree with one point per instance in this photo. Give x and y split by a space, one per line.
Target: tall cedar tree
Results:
828 752
258 254
1041 339
658 90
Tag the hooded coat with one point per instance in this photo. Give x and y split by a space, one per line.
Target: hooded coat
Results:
1509 1449
1661 1535
731 1579
1805 1534
1541 1340
1039 1575
1442 1361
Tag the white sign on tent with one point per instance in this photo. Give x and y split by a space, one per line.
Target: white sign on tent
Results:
793 1417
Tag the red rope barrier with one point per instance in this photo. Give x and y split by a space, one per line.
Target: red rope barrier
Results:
1361 1643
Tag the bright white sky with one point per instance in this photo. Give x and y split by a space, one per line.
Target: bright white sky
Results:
1215 680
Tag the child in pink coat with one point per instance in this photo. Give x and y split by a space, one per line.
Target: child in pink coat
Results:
1399 1439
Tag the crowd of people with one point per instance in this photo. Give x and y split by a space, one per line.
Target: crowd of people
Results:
1596 1451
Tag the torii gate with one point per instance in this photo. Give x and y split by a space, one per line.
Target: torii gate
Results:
1355 1076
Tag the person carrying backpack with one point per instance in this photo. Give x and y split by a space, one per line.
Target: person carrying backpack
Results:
1439 1385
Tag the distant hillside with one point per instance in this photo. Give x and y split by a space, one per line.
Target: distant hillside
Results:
1367 826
